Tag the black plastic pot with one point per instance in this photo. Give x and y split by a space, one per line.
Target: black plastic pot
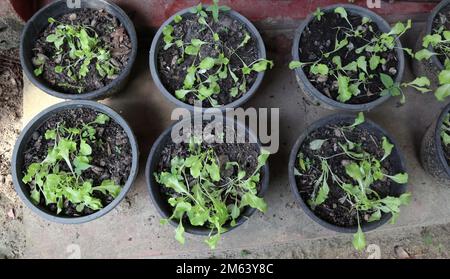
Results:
158 40
432 67
160 200
39 22
21 144
315 95
399 166
432 154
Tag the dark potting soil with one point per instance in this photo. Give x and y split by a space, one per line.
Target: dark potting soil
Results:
334 210
245 154
231 32
113 36
320 36
111 159
442 19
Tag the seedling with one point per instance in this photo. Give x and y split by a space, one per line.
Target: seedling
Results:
356 76
205 198
440 41
318 14
59 177
77 48
203 77
362 170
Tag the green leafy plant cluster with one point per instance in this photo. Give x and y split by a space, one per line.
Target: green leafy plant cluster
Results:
203 76
445 130
440 41
355 76
59 177
362 170
203 197
77 48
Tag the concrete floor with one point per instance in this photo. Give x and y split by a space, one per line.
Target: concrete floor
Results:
133 229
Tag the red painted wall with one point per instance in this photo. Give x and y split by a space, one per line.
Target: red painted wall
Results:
152 13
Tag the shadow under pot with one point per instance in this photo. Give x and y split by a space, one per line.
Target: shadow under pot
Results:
83 53
205 187
435 150
341 60
431 48
74 162
348 175
198 59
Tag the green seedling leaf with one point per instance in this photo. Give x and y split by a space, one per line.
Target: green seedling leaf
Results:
375 216
59 69
197 42
85 149
318 14
352 67
262 158
442 92
322 195
432 39
214 171
177 19
179 233
358 120
400 28
387 81
262 65
341 11
254 201
190 78
362 63
319 69
296 64
359 239
316 144
424 54
207 63
374 61
344 91
234 92
353 170
35 196
401 178
109 187
245 40
421 82
444 77
50 134
387 148
212 241
38 71
192 50
102 119
171 181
